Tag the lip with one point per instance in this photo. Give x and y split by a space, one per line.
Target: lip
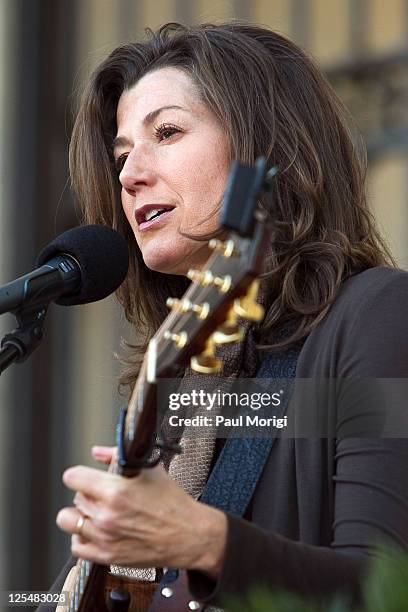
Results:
140 214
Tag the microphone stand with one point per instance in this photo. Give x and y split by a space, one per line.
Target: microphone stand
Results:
22 341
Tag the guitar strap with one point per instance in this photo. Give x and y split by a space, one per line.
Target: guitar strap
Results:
233 480
235 475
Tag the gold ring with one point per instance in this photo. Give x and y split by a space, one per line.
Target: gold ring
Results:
80 524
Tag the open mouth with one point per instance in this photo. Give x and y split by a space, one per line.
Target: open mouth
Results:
147 215
152 214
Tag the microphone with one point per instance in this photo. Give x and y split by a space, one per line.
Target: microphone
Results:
84 264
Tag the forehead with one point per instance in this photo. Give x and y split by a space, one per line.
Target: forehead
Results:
161 87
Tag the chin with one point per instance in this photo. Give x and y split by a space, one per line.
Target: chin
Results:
173 260
163 264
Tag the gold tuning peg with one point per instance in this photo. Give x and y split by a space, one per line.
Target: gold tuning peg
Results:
201 310
202 278
207 278
179 340
227 248
247 307
179 305
228 333
172 303
206 362
223 283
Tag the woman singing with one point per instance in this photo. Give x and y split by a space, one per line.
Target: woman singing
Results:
158 127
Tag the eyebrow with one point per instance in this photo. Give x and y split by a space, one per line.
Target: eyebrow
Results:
150 117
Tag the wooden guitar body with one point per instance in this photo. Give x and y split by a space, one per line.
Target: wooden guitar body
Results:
144 596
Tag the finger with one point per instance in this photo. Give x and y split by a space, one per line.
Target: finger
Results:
85 549
104 454
102 555
86 505
74 522
89 481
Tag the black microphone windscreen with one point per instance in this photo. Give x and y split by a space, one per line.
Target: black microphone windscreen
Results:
103 257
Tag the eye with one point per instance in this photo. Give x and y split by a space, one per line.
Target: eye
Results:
165 131
120 162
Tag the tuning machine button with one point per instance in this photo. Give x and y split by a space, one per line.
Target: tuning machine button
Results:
201 310
246 307
228 333
172 303
227 248
204 278
206 362
207 278
179 340
178 305
223 283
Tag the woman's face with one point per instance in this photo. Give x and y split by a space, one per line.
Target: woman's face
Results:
172 154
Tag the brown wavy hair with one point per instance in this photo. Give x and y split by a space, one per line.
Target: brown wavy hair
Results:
273 101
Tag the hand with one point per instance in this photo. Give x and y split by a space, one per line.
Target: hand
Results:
147 521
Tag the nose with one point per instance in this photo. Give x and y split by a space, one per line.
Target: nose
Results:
137 171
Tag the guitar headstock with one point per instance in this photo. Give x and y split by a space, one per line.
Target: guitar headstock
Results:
207 315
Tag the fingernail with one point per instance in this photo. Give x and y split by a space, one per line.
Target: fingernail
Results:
98 450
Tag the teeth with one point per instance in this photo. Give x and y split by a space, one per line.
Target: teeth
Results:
151 213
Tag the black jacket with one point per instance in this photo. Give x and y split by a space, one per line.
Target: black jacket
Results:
325 500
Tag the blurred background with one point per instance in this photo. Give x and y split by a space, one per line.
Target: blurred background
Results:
64 399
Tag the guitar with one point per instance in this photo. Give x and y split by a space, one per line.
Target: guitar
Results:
205 317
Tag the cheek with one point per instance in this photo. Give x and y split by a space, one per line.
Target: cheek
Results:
214 167
202 174
127 206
